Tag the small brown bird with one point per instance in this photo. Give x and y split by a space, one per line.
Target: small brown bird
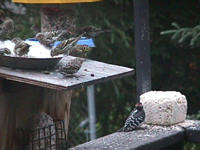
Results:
21 48
6 28
80 51
62 35
43 40
48 38
65 46
4 51
69 67
91 31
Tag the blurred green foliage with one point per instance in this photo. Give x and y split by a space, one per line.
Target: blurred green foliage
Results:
175 66
184 36
189 146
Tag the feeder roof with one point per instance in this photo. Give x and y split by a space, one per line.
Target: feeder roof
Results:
52 1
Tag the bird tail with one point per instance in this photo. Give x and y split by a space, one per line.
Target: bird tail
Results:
121 129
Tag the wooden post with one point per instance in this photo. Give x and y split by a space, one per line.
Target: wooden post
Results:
142 46
57 17
19 102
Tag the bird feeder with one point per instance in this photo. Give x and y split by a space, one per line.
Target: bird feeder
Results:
26 101
54 18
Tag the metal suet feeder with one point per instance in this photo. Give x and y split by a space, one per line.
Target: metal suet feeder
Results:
51 137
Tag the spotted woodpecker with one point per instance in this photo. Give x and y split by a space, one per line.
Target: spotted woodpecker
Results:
135 119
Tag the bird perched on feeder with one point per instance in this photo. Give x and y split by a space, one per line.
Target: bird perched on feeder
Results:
69 67
6 28
65 46
80 51
4 51
46 41
21 48
91 31
48 38
135 119
63 34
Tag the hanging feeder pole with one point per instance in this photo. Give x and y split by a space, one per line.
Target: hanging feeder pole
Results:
142 46
91 111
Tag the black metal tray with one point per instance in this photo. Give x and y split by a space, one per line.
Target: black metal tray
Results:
29 63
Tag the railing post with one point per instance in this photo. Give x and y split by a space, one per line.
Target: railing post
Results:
142 46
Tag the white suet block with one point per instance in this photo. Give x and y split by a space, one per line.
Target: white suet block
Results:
164 107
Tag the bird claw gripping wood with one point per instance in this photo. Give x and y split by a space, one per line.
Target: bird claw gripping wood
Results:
135 119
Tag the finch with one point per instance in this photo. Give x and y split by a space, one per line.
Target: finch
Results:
48 38
21 48
69 67
91 31
80 51
6 28
65 46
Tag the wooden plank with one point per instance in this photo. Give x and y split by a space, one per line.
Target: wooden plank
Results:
150 137
91 72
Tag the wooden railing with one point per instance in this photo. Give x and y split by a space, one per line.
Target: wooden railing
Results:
149 137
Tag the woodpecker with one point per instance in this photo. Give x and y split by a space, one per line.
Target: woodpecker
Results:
135 119
69 67
21 48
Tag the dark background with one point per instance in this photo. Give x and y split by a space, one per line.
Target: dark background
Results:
175 66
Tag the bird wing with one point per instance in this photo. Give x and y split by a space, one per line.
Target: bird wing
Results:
135 119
